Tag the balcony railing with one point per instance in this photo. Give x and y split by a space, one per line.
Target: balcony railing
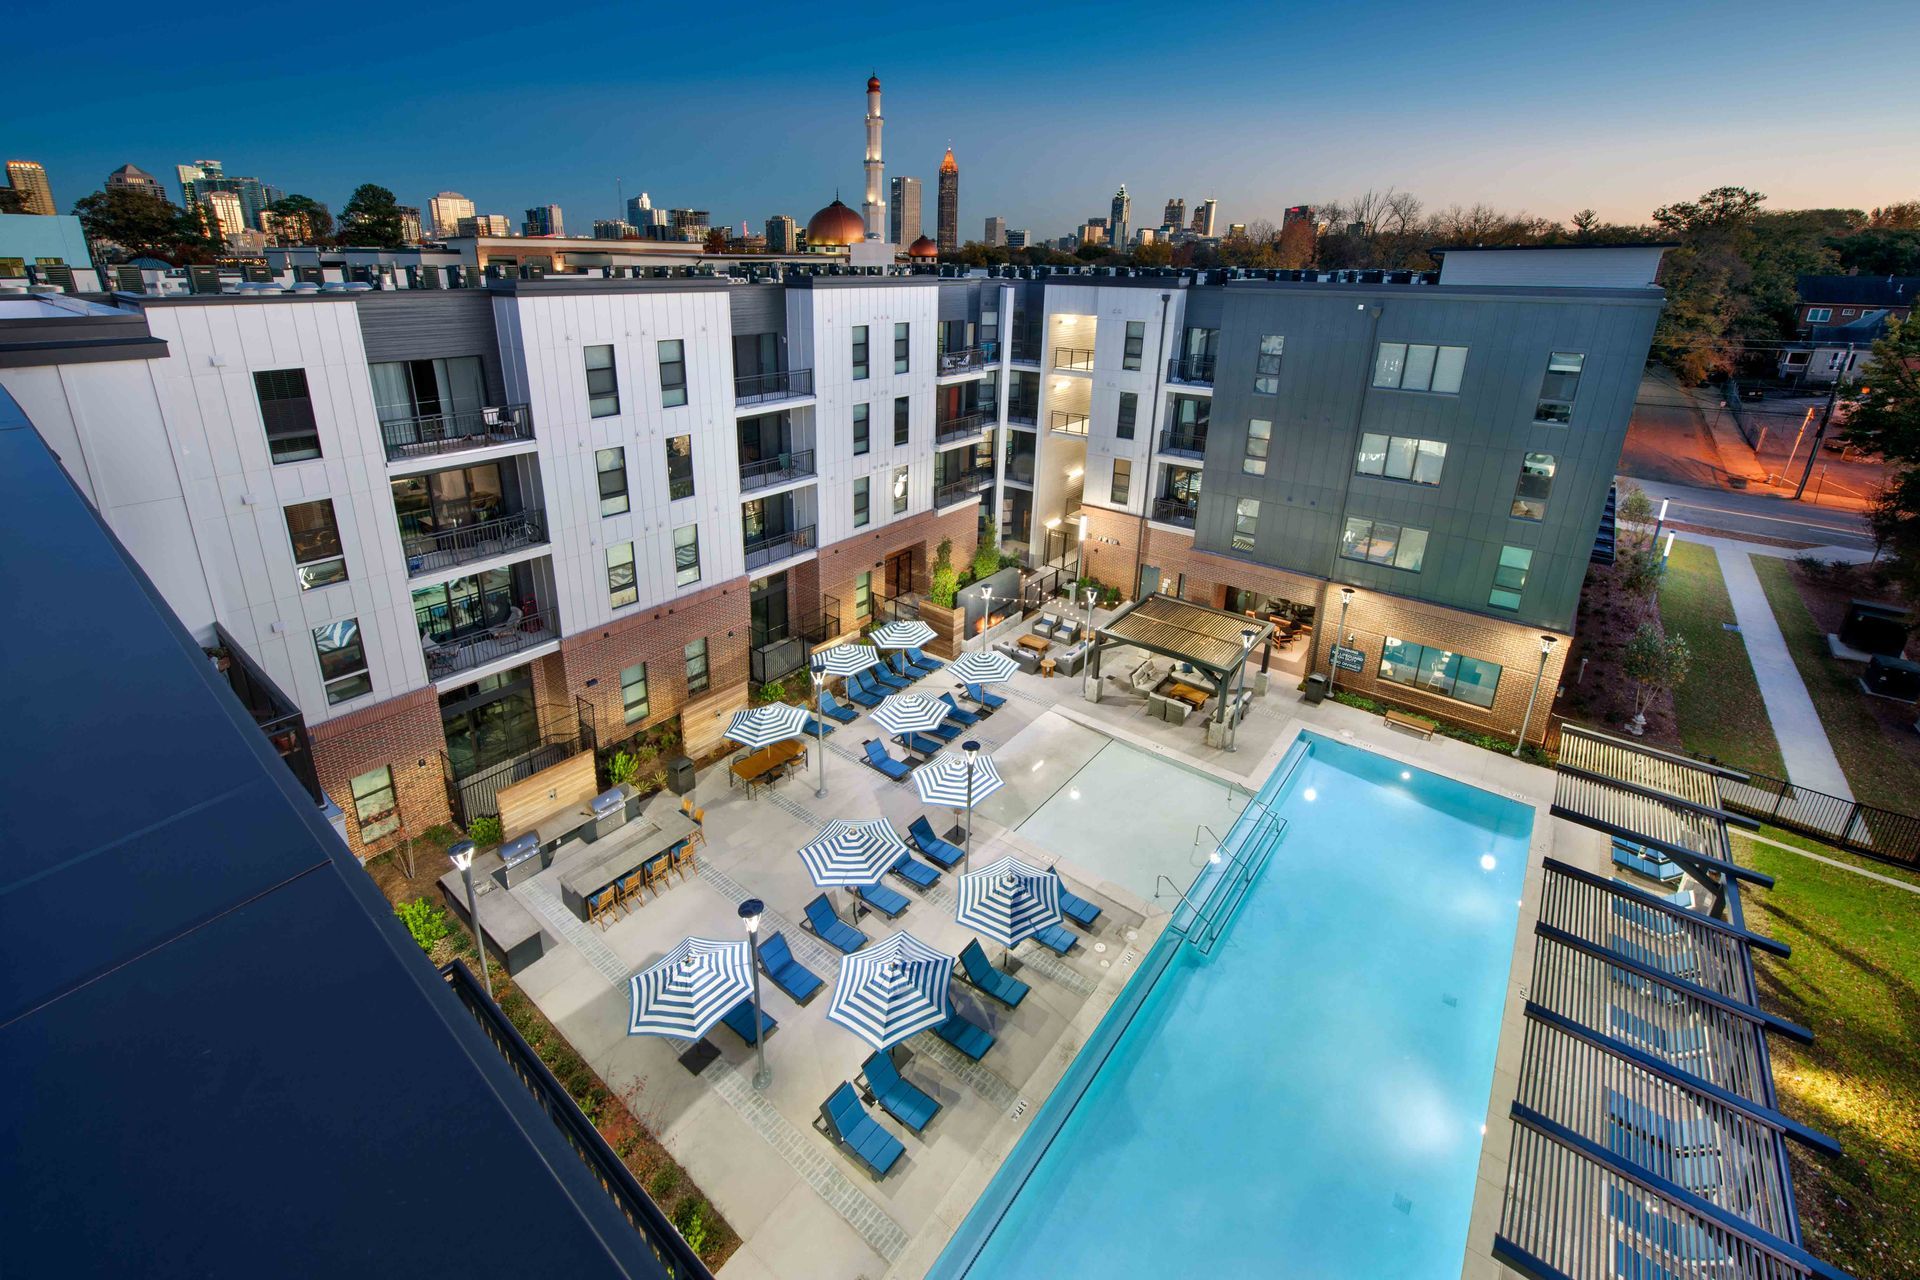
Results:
967 358
963 488
1024 351
965 427
781 384
1195 370
785 648
436 433
1073 358
1175 511
513 634
779 546
1073 424
440 549
1191 444
1023 415
276 714
797 465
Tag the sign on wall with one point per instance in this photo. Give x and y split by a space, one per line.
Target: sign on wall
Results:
1346 659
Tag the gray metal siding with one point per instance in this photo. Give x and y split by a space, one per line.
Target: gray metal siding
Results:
960 300
758 308
426 325
1203 306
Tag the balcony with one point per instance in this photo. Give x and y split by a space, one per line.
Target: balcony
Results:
764 474
1175 511
433 434
442 549
1187 444
774 547
1076 358
273 711
1024 351
781 384
1022 415
515 633
967 426
963 488
785 649
1071 424
967 359
1195 371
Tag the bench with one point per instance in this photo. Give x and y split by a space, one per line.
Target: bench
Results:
1411 723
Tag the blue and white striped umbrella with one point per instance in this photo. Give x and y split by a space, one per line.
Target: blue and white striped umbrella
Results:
844 659
911 713
943 779
892 989
1008 901
763 726
852 853
982 666
902 635
691 989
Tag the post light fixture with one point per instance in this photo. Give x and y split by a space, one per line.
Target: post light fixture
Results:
1546 648
750 913
460 853
1233 717
1660 520
972 750
820 733
1339 640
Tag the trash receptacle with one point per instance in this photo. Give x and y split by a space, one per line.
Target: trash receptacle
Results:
1316 690
680 775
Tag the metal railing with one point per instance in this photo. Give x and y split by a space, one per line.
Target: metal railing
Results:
1884 834
427 552
1025 351
1073 424
1205 920
1023 415
483 645
276 714
779 546
436 433
669 1248
1191 444
1073 358
796 465
781 384
963 488
967 358
784 650
1194 370
1174 511
965 427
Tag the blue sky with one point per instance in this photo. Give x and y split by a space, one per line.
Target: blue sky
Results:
749 112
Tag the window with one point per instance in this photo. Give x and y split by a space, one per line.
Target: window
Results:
861 514
862 442
902 411
1401 458
900 334
673 373
862 596
1418 367
603 383
697 675
679 467
1246 523
343 660
1819 315
1122 485
900 482
859 352
612 466
686 554
633 692
1266 369
1129 411
1510 577
376 808
1845 312
1562 379
287 410
1259 439
1531 490
1383 542
316 544
1136 344
1436 670
621 588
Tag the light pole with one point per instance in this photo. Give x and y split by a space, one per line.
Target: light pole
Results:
972 749
1665 553
1660 519
461 853
1080 551
820 734
1339 640
1233 719
750 913
986 619
1546 647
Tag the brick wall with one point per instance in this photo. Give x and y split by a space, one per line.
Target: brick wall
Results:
400 733
840 563
1115 547
658 637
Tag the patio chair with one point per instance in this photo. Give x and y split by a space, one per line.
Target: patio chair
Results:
919 743
1045 625
966 1037
922 661
958 714
603 908
1685 967
1070 661
915 872
508 625
818 728
863 692
888 902
1057 940
1670 1239
980 973
739 1020
899 1097
1681 1135
899 665
1074 907
833 708
878 758
825 924
632 897
776 961
1646 862
944 852
885 679
847 1123
1066 633
656 871
684 858
947 731
991 701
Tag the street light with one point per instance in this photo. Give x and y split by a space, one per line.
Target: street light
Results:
1661 519
1665 553
1233 717
750 912
986 619
461 854
1080 551
820 734
1546 647
1339 640
972 750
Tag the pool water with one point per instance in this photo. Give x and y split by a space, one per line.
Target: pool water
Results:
1306 1100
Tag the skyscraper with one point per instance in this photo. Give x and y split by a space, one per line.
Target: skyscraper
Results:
203 176
612 229
903 211
1018 238
1206 216
1175 218
783 233
29 181
485 224
409 223
224 213
874 212
948 234
1122 217
996 232
445 210
545 220
137 179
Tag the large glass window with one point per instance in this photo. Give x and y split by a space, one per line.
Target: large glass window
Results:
862 439
462 606
862 596
1129 413
406 391
673 373
286 408
1419 367
1510 578
1246 523
343 660
686 554
622 590
612 467
1266 369
679 467
901 345
1136 344
862 513
859 352
1122 485
316 544
902 420
1557 387
697 673
1384 542
1259 440
376 806
1436 670
901 479
1535 485
603 382
633 692
1401 458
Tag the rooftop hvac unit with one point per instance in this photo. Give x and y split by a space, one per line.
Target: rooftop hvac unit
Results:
129 280
203 279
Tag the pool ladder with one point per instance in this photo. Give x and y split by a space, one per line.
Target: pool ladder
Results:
1212 914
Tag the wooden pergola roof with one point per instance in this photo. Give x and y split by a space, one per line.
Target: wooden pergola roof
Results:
1210 639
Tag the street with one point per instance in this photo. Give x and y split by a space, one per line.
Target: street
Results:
1756 514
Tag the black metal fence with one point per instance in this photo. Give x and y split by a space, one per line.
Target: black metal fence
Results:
477 795
794 465
1174 511
1073 357
1191 369
436 433
273 711
1191 444
781 384
779 546
966 426
1875 833
439 549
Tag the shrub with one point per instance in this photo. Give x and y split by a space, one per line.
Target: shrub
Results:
484 832
691 1218
664 1183
622 767
944 582
771 691
986 553
426 922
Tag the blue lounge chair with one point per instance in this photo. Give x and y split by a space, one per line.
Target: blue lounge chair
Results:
899 665
919 743
824 923
922 661
834 709
899 1097
1685 966
1646 862
915 872
991 701
947 731
1074 907
1651 918
1681 1135
1674 1239
888 902
886 679
944 852
843 1119
878 758
862 692
1056 939
776 960
818 728
956 713
964 1036
989 981
739 1020
1688 1042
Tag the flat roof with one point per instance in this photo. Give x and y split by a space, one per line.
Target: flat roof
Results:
1174 628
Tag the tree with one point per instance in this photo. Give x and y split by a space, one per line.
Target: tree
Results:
1883 417
1633 507
1703 276
944 583
1656 662
303 220
716 241
986 553
1296 248
1156 253
126 222
372 219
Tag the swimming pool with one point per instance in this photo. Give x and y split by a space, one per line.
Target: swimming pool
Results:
1306 1099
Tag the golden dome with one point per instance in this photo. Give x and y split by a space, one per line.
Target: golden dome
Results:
835 225
948 165
873 84
923 248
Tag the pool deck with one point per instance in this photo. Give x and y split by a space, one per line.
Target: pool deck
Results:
802 1208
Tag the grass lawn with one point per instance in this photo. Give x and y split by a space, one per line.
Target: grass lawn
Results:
1854 978
1717 708
1881 768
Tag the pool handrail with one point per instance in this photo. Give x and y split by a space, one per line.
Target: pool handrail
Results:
1258 830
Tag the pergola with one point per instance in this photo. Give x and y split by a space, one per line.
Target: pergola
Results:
1213 640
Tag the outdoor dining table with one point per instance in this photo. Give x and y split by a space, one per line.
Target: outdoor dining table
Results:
586 869
767 765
